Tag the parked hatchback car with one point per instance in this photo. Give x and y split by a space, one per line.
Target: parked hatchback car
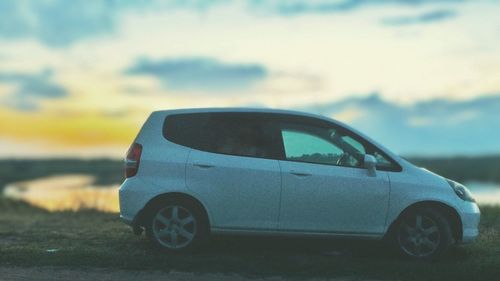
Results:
195 172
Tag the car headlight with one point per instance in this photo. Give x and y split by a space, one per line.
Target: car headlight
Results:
461 191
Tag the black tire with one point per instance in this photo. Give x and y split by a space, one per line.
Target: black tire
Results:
427 242
161 234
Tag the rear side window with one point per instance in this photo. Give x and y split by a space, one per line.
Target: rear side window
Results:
242 134
188 130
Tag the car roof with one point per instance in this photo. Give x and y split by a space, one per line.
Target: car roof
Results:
243 110
256 110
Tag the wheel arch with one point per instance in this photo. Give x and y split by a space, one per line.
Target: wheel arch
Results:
449 212
140 219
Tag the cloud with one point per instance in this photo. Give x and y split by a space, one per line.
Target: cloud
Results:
434 127
291 8
428 17
58 22
200 73
29 88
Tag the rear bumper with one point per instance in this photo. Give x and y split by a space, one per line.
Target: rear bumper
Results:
470 216
133 198
126 220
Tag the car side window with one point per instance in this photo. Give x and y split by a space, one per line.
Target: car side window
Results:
321 146
383 162
241 134
272 136
304 147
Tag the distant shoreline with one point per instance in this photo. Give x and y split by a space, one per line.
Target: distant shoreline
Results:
110 171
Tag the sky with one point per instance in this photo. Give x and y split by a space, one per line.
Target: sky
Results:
78 78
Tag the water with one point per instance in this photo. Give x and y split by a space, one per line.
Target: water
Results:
485 193
67 192
75 192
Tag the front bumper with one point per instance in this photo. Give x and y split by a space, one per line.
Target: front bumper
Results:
470 216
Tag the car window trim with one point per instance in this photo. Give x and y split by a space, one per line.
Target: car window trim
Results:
276 119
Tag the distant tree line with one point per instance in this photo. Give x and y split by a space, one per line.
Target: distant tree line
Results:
329 158
107 171
463 169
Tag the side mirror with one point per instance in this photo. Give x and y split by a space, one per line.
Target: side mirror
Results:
370 165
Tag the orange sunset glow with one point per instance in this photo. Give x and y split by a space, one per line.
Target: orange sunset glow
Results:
85 87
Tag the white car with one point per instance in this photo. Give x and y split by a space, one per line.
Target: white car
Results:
195 172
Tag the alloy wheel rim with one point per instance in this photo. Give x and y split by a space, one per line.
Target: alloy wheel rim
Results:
174 227
419 236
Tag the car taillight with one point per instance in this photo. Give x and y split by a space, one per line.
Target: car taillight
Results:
132 160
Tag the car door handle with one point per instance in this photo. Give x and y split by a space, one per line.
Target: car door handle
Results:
300 174
203 165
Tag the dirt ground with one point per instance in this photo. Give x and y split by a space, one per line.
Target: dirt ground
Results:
8 273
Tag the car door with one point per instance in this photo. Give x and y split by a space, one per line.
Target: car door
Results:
235 175
324 185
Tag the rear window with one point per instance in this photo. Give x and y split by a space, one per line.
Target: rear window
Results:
242 134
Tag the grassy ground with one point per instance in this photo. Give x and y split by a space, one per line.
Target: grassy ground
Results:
93 239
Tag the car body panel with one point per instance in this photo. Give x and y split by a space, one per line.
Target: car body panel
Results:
326 198
241 192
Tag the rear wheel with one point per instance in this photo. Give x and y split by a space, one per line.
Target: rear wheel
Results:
176 226
423 233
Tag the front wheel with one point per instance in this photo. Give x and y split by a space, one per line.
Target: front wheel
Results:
176 226
423 233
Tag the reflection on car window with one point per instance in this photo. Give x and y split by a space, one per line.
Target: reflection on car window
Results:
322 146
382 161
355 144
329 145
300 146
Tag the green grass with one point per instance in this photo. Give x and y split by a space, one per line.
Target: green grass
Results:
90 238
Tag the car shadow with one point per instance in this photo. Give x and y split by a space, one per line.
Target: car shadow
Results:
295 246
299 258
340 247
